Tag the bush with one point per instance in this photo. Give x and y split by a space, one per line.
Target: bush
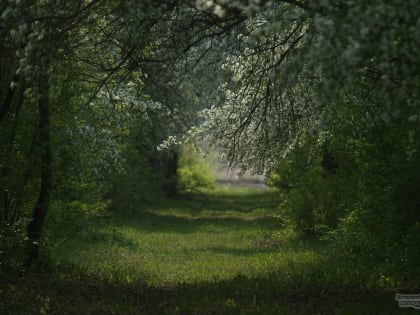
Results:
12 244
193 171
65 218
313 202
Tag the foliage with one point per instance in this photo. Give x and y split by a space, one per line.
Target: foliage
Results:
12 245
145 170
321 96
310 195
337 80
76 212
193 171
85 54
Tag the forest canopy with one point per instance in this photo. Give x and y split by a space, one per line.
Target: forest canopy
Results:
98 96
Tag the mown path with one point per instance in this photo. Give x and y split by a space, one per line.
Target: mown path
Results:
220 253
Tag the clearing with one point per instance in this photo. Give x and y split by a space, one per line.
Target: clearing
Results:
224 252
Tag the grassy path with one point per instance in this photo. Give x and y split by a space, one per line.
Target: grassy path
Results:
223 253
203 239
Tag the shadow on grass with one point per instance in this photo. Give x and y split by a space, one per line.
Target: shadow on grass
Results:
66 292
70 292
155 222
240 201
297 288
189 213
252 251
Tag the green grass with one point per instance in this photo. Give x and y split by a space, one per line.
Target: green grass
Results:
206 238
226 252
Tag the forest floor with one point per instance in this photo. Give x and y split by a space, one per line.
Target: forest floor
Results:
225 252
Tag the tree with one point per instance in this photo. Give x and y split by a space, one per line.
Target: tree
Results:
40 39
83 65
34 31
337 77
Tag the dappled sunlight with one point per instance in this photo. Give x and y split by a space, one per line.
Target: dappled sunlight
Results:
181 245
209 157
219 258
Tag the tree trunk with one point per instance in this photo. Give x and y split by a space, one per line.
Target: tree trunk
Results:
171 175
7 102
41 208
328 164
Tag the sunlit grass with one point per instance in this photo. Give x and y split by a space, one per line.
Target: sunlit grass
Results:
209 238
222 252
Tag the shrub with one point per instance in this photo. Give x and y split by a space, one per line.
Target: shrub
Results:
313 202
67 217
193 171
